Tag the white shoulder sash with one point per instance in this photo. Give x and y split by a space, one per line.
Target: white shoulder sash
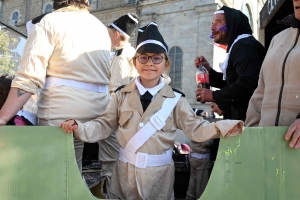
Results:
157 122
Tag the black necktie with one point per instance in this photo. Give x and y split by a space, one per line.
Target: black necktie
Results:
146 100
119 52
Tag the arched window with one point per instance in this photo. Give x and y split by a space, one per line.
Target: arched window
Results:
247 12
15 18
48 8
176 56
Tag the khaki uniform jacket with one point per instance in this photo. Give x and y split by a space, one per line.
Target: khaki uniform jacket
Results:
69 43
124 112
122 70
278 83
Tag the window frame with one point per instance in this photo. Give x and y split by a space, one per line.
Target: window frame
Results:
12 18
176 65
48 4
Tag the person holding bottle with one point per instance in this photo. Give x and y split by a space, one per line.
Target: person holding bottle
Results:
241 67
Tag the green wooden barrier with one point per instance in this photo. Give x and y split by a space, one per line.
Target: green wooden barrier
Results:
258 165
39 163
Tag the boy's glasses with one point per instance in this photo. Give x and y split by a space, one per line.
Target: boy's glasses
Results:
156 59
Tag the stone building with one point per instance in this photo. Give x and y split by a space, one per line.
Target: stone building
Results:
185 25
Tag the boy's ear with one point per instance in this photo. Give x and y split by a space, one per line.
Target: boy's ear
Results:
134 61
167 64
117 35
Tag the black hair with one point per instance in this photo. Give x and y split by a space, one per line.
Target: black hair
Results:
57 4
5 84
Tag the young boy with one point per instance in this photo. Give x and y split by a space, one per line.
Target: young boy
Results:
121 67
146 113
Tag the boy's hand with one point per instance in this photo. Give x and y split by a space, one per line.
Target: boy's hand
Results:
237 129
2 121
69 126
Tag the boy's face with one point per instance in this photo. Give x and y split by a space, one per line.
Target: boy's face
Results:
150 71
220 37
113 34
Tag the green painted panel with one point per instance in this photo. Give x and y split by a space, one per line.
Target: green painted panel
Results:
39 163
257 165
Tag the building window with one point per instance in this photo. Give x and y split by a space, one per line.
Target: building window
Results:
14 18
247 12
176 56
48 8
90 2
131 1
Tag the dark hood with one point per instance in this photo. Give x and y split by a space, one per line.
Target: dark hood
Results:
237 24
290 20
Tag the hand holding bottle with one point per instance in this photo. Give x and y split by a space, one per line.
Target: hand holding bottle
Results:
201 60
204 95
202 77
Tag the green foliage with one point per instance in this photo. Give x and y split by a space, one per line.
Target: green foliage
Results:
7 61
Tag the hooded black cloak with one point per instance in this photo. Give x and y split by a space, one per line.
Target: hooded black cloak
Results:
243 68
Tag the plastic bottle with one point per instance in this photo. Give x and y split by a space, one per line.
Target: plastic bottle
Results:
202 77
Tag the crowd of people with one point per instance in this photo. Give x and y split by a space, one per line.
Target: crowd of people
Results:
94 84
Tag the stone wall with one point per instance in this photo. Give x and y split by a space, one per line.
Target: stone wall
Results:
183 23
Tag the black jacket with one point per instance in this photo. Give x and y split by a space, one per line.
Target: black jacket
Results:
243 68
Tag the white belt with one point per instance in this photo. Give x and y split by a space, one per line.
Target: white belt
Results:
78 84
143 160
200 155
28 115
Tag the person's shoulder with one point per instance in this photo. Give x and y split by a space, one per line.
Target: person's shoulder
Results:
39 18
48 19
245 45
119 88
246 41
178 91
128 51
284 33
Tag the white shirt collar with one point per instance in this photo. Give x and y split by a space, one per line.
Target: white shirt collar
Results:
153 90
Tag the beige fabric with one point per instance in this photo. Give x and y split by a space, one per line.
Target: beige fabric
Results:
122 70
199 176
72 44
201 147
200 169
263 105
124 112
108 154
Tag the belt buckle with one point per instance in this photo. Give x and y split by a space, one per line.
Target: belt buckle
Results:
141 160
157 122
